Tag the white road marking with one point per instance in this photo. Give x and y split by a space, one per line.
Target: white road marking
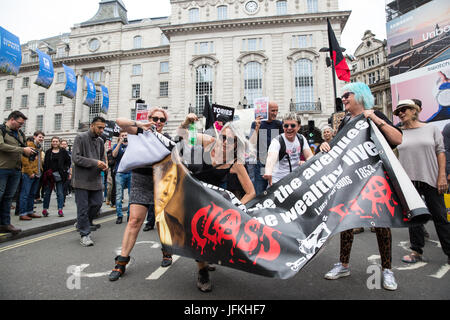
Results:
160 271
441 272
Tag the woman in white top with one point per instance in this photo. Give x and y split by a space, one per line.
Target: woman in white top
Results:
277 169
422 155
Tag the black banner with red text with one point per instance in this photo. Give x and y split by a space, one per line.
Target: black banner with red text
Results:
359 183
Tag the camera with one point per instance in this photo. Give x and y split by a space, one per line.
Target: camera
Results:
32 157
125 139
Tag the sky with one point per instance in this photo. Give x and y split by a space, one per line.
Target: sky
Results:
40 19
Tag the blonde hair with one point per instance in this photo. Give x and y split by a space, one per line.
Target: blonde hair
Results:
156 109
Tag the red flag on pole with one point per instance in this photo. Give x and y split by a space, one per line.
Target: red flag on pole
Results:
340 65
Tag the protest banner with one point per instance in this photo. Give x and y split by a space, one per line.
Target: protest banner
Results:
10 53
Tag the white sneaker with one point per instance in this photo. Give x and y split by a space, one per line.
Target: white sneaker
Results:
86 241
389 282
337 272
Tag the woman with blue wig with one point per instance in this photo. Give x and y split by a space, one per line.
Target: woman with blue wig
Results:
358 99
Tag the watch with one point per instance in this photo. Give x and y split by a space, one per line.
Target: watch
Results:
251 6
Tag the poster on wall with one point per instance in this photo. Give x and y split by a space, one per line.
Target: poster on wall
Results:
90 96
431 85
71 83
46 73
419 36
10 53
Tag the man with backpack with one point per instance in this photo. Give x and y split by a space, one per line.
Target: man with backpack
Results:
12 147
285 150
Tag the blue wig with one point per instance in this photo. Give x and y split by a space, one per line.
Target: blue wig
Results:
362 92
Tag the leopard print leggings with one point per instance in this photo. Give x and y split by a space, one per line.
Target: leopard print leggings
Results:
384 238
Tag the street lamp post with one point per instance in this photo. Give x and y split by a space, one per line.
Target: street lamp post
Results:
329 61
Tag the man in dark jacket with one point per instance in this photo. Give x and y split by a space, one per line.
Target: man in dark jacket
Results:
12 147
88 156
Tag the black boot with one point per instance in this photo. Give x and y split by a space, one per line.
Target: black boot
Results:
203 282
119 269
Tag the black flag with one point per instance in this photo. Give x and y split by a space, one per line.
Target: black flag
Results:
340 65
208 114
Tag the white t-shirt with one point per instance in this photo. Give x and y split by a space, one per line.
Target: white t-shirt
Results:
281 168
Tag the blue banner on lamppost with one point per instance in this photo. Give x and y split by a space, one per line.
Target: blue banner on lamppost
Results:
90 96
46 73
10 53
71 83
105 100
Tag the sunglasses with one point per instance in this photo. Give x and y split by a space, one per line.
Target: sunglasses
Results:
346 95
287 125
402 109
155 119
228 140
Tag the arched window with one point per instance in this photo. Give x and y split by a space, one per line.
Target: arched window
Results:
252 81
203 86
304 85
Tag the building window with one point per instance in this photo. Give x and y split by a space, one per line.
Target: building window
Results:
222 12
26 58
58 121
372 78
133 114
10 84
137 42
370 61
59 97
302 41
8 103
194 15
281 7
96 76
61 52
60 77
164 89
252 44
312 6
203 86
25 82
24 101
164 67
304 85
135 91
137 69
204 47
40 123
252 81
95 110
41 99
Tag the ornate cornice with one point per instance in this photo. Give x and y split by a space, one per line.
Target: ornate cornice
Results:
98 57
321 17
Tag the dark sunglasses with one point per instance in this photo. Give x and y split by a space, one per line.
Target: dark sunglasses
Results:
346 95
228 140
402 109
287 125
155 119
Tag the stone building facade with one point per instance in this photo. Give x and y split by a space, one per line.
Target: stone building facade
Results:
231 50
369 65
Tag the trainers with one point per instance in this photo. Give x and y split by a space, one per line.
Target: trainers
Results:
389 282
86 241
45 213
337 272
203 282
60 213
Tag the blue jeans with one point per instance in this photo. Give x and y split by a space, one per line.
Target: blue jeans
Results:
256 171
9 181
59 195
123 180
27 194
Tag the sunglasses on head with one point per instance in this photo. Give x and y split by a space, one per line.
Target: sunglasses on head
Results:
287 125
346 95
155 119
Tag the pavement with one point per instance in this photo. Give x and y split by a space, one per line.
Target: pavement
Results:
53 221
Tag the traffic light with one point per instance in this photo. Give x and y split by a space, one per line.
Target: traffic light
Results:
311 131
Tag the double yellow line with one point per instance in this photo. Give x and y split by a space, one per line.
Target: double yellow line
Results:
51 235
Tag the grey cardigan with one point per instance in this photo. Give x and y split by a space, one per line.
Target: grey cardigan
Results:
87 150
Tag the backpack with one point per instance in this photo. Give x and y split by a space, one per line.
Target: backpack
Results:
4 132
282 153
